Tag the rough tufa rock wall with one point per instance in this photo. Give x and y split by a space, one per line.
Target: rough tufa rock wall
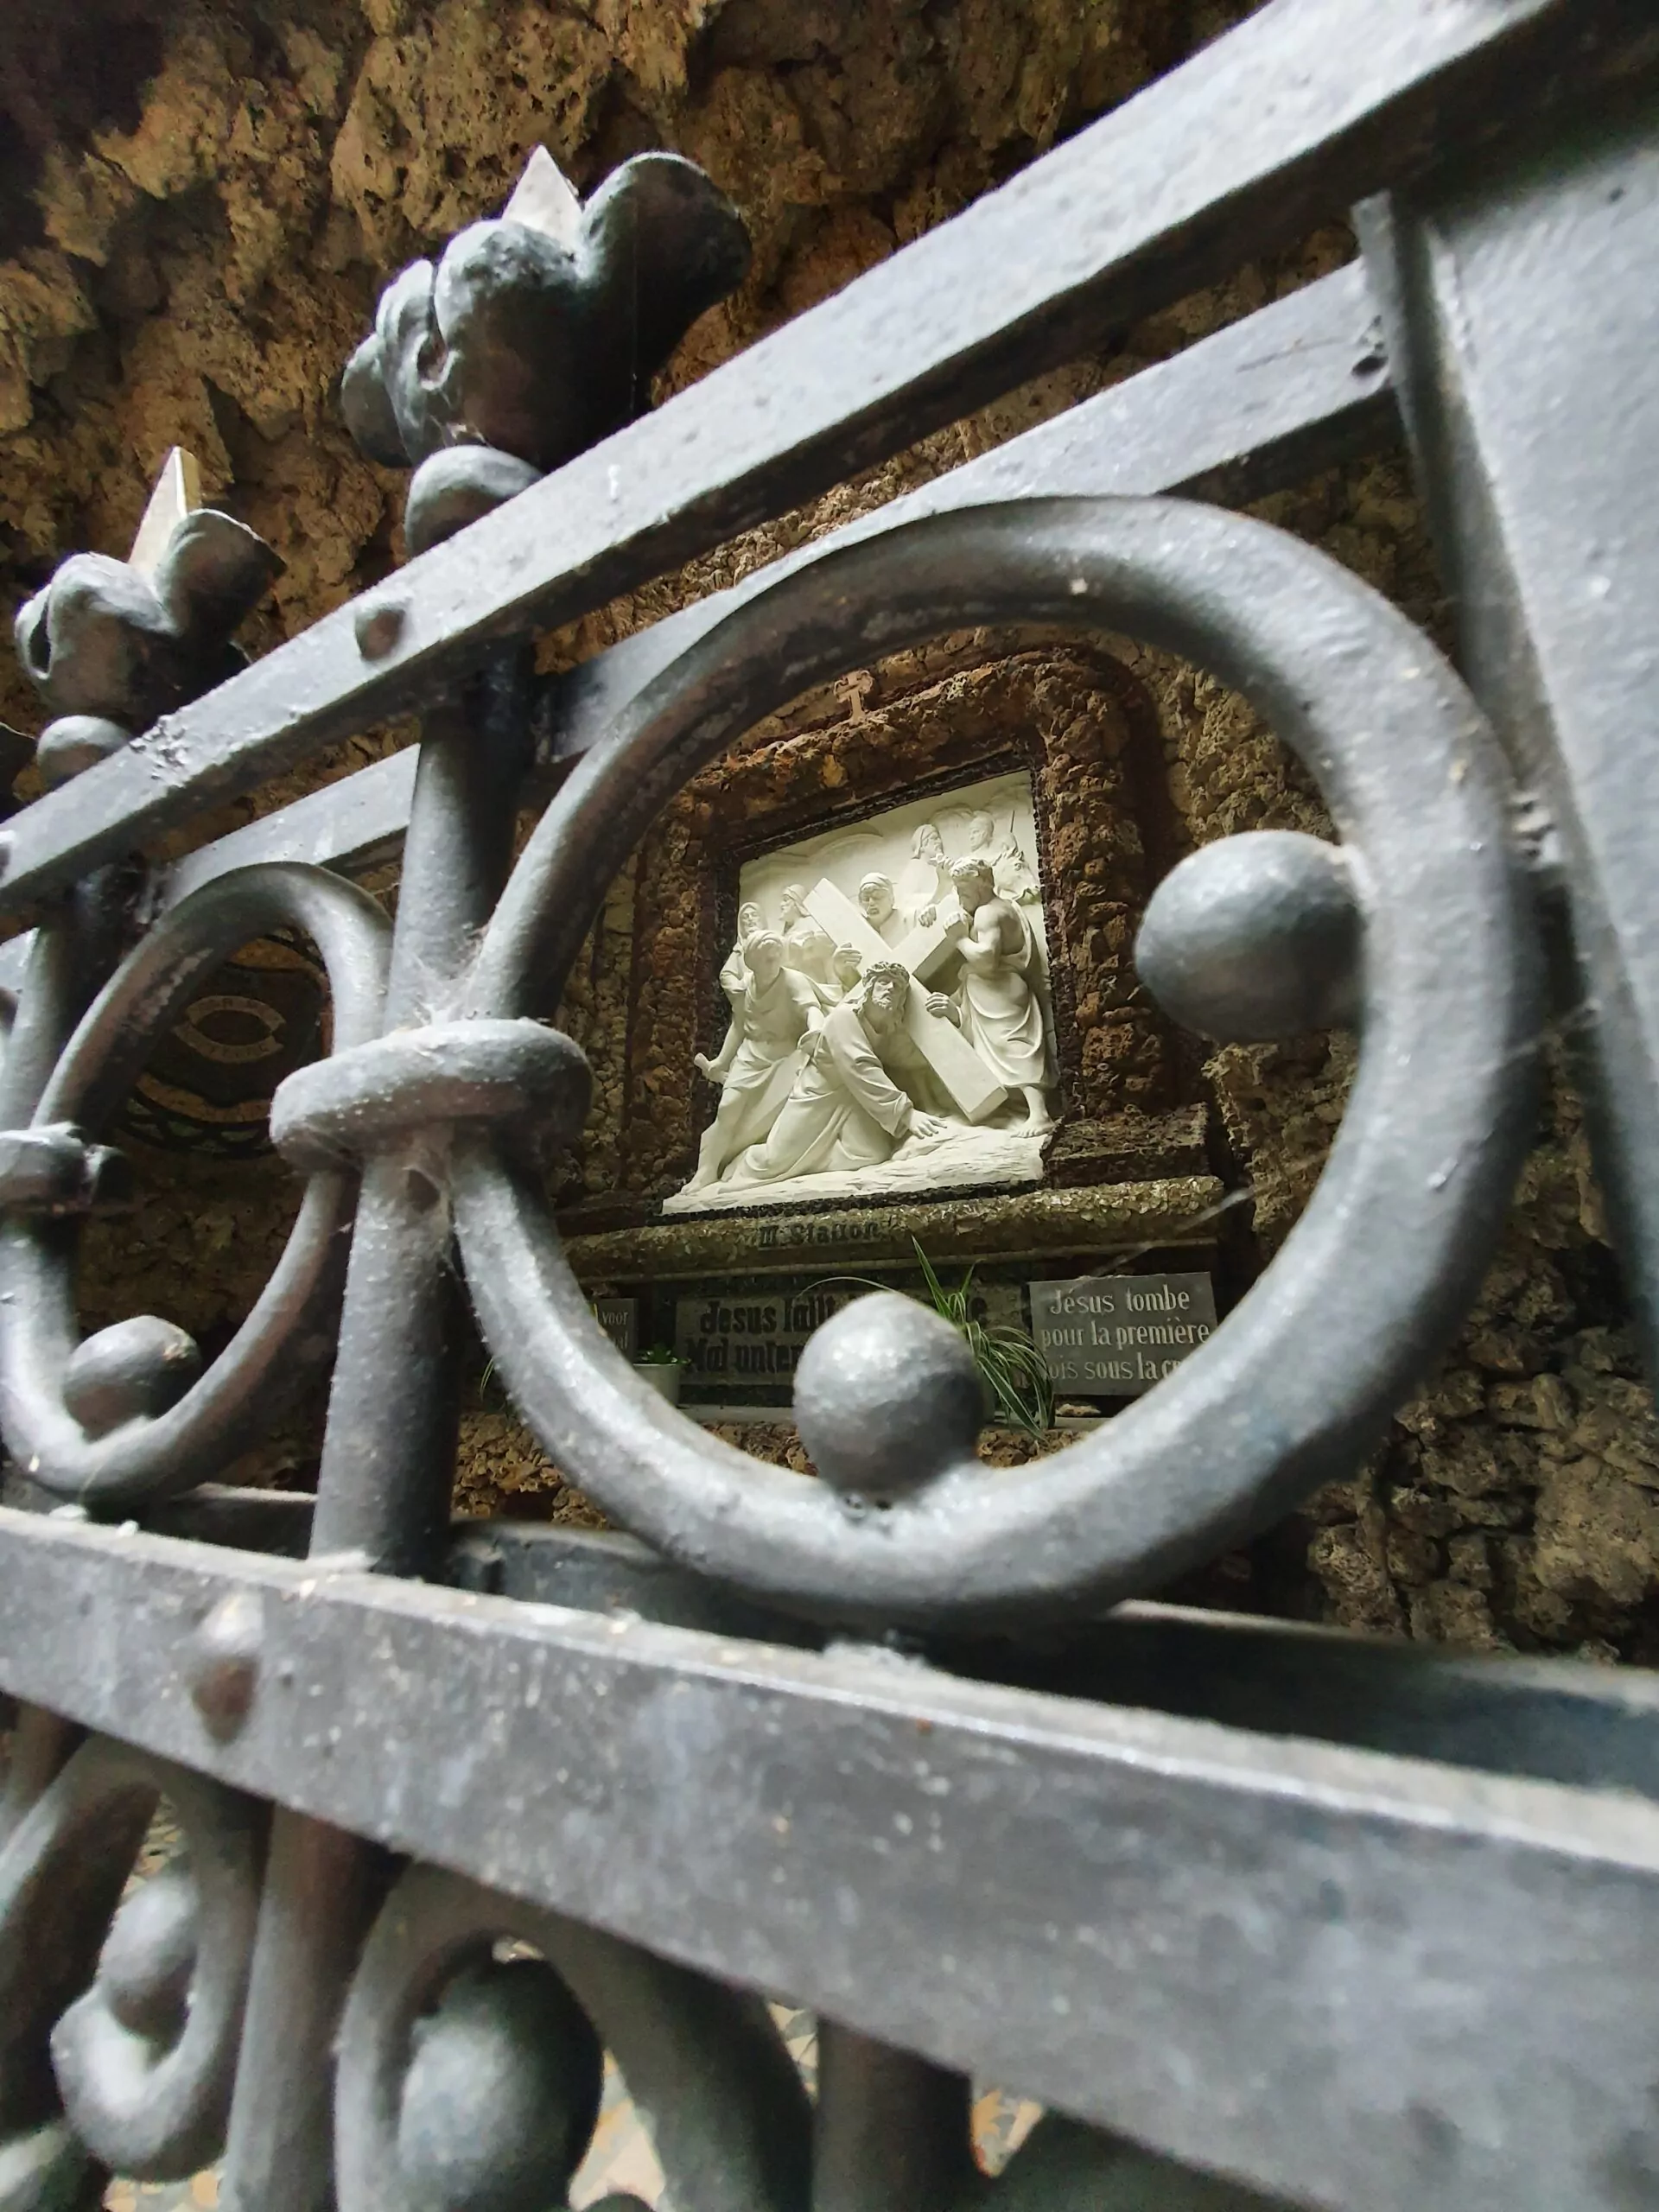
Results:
199 201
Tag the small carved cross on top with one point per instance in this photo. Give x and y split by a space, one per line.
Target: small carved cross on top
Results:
855 688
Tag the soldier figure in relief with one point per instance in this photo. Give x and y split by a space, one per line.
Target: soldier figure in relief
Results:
926 882
1011 871
993 1005
777 1009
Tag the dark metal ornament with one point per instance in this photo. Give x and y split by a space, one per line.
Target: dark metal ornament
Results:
528 342
1256 937
431 2035
1366 1925
104 1420
128 2013
111 649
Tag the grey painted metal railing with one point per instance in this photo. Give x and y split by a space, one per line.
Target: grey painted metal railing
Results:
1260 1914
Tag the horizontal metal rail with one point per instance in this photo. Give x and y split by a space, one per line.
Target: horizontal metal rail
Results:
1350 1977
1555 1720
1281 125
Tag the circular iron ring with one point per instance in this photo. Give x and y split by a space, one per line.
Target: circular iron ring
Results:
194 1438
1299 1382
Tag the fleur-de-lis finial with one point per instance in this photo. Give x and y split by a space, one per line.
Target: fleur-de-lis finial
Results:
537 333
111 644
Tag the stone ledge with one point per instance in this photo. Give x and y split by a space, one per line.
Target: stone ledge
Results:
1108 1219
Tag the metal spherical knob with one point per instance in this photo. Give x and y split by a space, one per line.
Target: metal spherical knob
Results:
150 1954
131 1370
74 743
502 2093
1254 938
886 1397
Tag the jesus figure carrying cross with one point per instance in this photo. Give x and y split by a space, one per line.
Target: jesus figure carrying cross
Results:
871 926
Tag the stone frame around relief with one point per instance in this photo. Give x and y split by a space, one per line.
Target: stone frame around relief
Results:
1074 718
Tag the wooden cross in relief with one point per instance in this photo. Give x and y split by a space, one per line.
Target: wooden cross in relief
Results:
974 1089
177 494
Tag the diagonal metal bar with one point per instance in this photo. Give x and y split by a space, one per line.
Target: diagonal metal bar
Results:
1350 1978
1305 108
1293 388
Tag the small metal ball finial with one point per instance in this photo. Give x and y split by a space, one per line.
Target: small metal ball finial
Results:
133 1370
887 1398
1254 938
502 2092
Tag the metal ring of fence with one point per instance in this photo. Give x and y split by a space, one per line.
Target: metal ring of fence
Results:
1298 1381
192 1437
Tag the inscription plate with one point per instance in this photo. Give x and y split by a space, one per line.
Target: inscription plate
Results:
619 1318
1115 1335
743 1344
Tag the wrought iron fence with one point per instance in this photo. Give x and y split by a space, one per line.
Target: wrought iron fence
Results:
1349 1925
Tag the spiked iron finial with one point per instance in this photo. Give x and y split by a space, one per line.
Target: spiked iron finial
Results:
177 492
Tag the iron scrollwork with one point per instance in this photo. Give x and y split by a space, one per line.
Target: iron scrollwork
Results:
111 647
536 334
124 1412
119 2016
533 336
1421 918
468 2081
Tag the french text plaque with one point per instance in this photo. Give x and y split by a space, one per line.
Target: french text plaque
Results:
1115 1335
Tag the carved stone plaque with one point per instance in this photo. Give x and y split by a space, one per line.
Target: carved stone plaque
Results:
619 1318
1115 1335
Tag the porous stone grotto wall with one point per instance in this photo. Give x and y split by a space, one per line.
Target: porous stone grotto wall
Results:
198 202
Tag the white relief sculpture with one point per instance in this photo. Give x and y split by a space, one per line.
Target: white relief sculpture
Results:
853 1104
807 947
733 976
846 966
777 1008
995 1005
890 1027
924 886
879 906
1010 869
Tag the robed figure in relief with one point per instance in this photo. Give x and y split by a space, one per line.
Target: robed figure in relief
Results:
777 1008
734 982
994 1005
